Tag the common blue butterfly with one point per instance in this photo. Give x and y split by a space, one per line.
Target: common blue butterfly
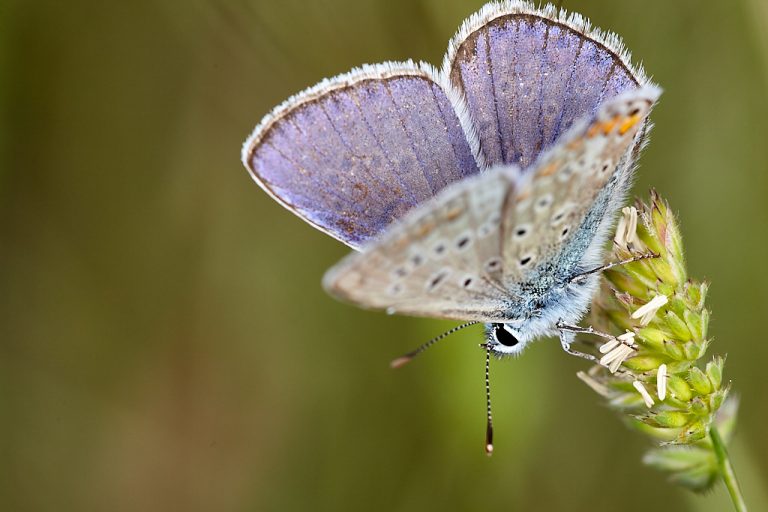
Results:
483 191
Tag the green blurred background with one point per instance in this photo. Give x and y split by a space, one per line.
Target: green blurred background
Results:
164 340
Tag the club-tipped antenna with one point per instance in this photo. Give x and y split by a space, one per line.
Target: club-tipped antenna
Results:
489 416
402 360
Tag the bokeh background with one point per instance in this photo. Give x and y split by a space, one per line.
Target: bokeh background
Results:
164 340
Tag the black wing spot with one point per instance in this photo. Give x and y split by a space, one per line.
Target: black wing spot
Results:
493 264
437 279
462 242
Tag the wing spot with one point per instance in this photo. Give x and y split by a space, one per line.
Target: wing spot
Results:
424 228
565 174
417 260
434 282
549 168
543 203
628 123
521 231
484 230
525 261
558 217
395 290
401 242
463 242
467 281
580 165
439 249
400 272
493 264
565 231
454 213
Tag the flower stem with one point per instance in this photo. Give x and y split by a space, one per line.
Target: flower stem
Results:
726 470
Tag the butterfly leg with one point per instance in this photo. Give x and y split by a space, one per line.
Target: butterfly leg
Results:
566 338
616 349
577 329
582 276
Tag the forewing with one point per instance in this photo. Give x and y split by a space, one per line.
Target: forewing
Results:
528 74
442 260
355 152
464 254
553 216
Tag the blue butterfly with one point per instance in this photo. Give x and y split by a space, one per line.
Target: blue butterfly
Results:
483 191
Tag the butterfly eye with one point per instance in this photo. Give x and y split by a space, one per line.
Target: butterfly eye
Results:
503 336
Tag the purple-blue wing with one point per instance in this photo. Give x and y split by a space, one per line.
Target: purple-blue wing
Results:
355 152
527 74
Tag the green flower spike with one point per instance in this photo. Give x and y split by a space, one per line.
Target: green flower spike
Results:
652 367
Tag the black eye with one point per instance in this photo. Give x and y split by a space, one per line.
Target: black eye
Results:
503 336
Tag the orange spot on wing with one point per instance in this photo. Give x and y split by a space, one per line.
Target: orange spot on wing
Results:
608 125
454 213
549 169
424 229
629 123
401 243
603 127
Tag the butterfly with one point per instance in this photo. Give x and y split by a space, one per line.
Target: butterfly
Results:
481 192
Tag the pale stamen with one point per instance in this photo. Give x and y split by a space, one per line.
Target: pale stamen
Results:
613 359
626 231
610 345
621 232
647 311
617 350
647 398
628 338
661 382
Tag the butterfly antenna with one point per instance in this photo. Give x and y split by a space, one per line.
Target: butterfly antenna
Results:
489 416
402 360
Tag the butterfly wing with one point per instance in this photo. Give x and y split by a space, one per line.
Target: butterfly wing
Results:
528 74
463 256
355 152
555 224
441 260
